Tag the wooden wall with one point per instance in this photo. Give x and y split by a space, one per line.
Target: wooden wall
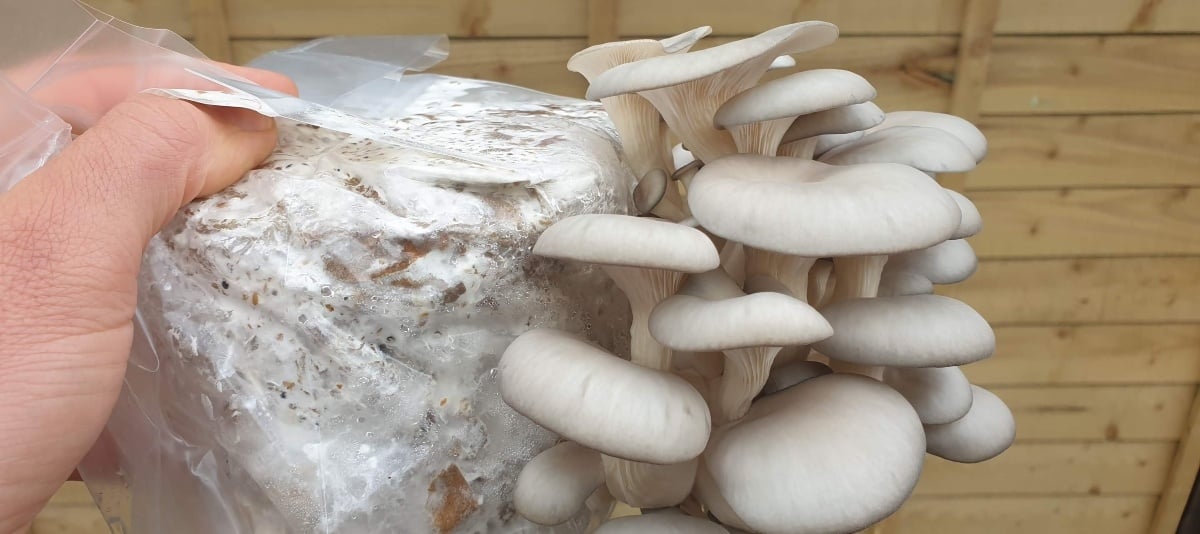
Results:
1090 266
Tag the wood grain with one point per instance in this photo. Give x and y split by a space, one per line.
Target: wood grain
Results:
1085 290
1013 515
601 21
1089 151
210 28
1088 222
1093 354
168 14
1100 413
971 70
1114 468
1182 476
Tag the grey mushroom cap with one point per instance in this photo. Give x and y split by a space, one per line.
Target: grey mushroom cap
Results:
987 430
968 134
660 522
690 323
553 486
629 241
674 69
801 93
839 120
893 283
777 476
811 209
601 401
925 149
940 395
906 331
948 262
791 374
971 222
685 41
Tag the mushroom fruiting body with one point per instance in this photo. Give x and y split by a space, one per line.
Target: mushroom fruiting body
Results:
553 486
854 118
645 485
792 373
601 401
985 432
971 222
925 149
661 522
960 128
835 453
948 262
940 395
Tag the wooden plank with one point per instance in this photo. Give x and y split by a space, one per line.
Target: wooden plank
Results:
663 17
601 21
1082 355
72 494
1052 152
69 520
1125 74
167 14
210 28
909 72
1113 468
1099 290
1102 413
970 74
456 18
1070 222
1182 476
1011 515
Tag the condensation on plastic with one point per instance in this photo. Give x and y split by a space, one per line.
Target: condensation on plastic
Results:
315 347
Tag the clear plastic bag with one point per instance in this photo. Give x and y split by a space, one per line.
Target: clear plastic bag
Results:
316 346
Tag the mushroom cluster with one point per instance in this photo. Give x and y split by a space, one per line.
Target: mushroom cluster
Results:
790 365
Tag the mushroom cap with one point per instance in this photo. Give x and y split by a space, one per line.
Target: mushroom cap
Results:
840 120
971 222
609 239
828 142
894 283
601 401
812 209
960 128
643 485
792 373
948 262
801 93
553 486
940 395
926 149
660 522
906 331
594 60
685 41
689 323
782 62
987 430
650 190
674 69
835 453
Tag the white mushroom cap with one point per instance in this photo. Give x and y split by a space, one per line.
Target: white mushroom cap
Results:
801 93
940 395
960 128
987 430
553 486
835 453
971 222
792 373
660 522
827 142
601 401
608 239
643 485
906 331
926 149
674 69
650 190
840 120
693 323
782 62
895 283
685 41
810 209
948 262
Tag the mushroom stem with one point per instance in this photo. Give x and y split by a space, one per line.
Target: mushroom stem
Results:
857 277
760 137
600 508
645 288
791 271
644 485
746 370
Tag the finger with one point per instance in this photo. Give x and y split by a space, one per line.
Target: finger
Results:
265 78
71 238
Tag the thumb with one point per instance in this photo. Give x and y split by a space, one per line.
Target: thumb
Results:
71 240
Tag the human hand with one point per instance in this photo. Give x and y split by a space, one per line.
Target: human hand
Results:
71 240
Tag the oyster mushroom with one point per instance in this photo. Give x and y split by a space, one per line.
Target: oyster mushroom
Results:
660 522
986 431
835 453
926 149
960 128
687 88
553 487
940 395
948 262
792 373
